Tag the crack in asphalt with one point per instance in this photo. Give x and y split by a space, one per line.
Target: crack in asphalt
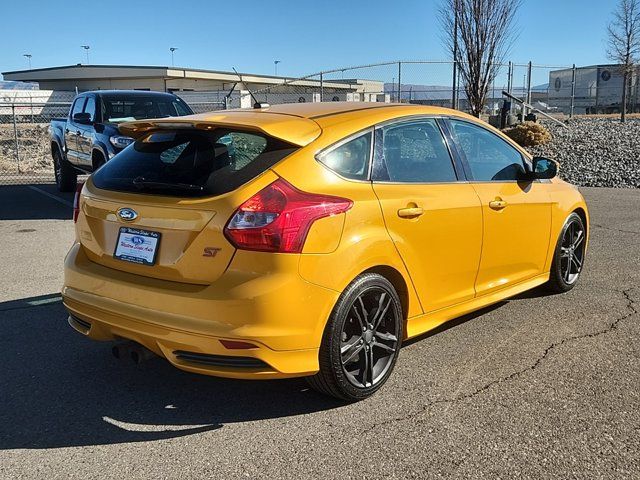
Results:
614 229
632 310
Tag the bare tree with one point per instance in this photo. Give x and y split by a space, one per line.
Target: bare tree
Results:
479 34
623 43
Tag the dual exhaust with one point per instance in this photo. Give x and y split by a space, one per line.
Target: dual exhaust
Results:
133 351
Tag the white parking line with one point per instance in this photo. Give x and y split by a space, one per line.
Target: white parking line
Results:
51 196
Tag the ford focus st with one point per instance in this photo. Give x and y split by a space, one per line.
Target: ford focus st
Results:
312 239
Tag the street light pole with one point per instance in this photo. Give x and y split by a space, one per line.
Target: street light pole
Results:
275 64
86 50
173 49
28 56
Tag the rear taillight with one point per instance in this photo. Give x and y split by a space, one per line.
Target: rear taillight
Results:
76 202
278 218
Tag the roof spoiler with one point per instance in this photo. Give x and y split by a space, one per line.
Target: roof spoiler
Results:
291 129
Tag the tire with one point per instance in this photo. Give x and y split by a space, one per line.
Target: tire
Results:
350 344
569 254
98 160
66 176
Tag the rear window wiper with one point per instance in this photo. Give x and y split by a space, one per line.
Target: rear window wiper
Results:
142 183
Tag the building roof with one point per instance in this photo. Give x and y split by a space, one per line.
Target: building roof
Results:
86 72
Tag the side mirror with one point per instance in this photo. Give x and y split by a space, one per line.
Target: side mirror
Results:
543 168
82 118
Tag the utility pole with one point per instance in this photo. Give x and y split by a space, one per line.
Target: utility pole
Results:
28 56
275 66
86 50
172 49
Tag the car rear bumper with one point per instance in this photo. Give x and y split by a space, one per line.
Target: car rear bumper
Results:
281 314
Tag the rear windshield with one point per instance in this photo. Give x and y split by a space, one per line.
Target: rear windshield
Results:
191 163
116 109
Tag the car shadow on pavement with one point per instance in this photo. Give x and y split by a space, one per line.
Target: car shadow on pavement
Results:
35 202
59 389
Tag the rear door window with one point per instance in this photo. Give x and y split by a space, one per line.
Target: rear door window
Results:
414 152
191 162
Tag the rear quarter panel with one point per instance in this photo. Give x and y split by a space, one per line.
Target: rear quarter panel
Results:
334 260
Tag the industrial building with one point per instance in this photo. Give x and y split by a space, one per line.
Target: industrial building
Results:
598 89
217 84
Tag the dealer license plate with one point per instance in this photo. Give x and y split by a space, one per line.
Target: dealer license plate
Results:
137 246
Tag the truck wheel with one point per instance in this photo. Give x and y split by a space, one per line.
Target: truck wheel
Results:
97 160
66 176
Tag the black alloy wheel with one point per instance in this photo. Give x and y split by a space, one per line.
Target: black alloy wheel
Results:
569 256
362 340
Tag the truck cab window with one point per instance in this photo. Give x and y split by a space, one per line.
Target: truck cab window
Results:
90 108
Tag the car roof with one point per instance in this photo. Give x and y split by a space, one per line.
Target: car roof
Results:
316 110
296 123
128 93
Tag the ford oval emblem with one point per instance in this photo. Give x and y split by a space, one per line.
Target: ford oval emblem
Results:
127 214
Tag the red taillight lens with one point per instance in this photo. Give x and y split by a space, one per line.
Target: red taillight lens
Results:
76 202
278 218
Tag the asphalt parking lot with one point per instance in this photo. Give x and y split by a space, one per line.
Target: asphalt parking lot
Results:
536 387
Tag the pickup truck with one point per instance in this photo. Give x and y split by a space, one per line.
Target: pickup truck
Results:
88 137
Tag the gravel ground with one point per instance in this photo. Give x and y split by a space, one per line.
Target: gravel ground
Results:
535 387
596 152
35 155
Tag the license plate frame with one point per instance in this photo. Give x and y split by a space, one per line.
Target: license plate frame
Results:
141 251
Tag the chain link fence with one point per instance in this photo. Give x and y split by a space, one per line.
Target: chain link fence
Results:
25 150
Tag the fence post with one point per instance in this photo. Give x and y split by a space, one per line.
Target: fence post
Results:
526 110
510 84
573 90
15 135
399 84
321 88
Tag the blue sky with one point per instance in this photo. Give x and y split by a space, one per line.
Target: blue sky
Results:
306 36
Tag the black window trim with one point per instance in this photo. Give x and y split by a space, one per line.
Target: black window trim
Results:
463 158
455 161
458 158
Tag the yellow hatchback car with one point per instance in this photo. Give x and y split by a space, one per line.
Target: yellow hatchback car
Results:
312 239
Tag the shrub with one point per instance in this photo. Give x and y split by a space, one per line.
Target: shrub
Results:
529 134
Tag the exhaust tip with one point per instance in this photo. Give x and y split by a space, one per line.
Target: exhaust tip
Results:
140 354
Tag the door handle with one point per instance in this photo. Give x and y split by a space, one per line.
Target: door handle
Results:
497 204
410 212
